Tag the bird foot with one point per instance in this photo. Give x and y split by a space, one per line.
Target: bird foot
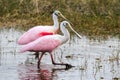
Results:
68 66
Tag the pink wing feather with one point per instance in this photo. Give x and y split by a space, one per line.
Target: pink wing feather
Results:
46 43
35 33
45 33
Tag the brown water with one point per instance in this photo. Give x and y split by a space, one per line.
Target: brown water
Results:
93 60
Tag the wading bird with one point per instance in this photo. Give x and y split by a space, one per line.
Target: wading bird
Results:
49 43
38 31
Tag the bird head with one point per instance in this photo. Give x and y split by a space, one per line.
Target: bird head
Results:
66 23
59 14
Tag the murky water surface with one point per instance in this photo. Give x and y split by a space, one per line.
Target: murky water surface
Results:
93 60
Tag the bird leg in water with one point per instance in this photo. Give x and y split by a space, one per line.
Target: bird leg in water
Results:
36 55
68 66
39 59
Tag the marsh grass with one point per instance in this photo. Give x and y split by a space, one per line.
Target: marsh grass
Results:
90 17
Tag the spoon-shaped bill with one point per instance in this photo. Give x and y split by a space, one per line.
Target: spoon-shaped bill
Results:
75 31
63 16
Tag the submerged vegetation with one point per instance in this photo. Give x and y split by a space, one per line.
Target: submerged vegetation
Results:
90 17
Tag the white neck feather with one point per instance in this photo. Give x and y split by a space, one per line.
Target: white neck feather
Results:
56 23
66 34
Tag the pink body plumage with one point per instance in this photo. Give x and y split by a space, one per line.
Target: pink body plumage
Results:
34 34
43 44
49 43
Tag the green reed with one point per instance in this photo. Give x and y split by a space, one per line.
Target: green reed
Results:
90 17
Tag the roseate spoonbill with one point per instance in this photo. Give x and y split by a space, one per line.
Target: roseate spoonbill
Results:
38 31
49 43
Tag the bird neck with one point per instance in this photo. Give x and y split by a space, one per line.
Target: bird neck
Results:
66 34
56 23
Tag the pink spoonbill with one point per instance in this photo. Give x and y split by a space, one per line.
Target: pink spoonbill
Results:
38 31
49 43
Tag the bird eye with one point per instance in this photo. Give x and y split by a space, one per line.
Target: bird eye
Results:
64 24
56 14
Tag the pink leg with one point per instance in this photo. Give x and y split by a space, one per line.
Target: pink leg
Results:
68 66
36 55
39 59
53 62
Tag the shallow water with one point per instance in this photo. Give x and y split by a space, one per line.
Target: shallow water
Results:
93 60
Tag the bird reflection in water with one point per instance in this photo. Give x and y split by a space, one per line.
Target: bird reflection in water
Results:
30 72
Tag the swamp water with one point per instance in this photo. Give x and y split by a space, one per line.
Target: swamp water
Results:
93 60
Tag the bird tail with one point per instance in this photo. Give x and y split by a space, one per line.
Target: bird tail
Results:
25 48
22 50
